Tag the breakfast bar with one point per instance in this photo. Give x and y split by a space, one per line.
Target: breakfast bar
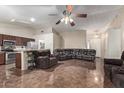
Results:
22 58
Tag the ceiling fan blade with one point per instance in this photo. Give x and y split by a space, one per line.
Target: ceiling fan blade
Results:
58 22
72 23
69 8
53 14
81 15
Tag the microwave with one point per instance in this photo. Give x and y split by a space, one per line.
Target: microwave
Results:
8 44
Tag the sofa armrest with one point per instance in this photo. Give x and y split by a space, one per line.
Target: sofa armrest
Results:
118 62
52 55
118 70
44 57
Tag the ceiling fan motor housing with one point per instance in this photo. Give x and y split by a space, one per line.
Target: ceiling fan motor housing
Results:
66 13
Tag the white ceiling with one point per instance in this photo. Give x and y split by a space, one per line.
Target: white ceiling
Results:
98 16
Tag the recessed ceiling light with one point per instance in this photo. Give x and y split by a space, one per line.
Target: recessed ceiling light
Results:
96 36
12 20
32 19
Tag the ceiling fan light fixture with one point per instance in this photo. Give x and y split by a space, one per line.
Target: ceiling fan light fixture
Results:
67 16
62 20
71 20
32 19
66 20
72 23
12 20
96 36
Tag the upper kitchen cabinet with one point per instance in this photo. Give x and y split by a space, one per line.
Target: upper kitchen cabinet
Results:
32 39
8 37
25 40
19 41
0 39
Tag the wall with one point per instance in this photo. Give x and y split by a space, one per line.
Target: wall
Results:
114 43
46 36
95 43
104 42
54 40
114 36
75 39
57 40
16 30
51 38
111 40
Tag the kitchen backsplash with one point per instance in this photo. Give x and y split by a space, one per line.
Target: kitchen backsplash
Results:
20 47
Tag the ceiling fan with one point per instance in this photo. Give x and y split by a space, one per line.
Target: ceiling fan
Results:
67 16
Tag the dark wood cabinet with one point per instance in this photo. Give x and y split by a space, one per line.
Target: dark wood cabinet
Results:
8 37
18 60
25 40
2 58
19 41
0 39
32 39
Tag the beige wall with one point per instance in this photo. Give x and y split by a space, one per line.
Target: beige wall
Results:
47 38
113 43
57 41
16 30
95 43
114 37
51 38
75 39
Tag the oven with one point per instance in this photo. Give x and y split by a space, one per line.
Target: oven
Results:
10 57
8 47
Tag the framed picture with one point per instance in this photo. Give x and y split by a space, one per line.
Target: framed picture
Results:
41 44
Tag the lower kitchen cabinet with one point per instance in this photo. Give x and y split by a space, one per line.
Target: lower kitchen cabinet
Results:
0 39
2 58
18 60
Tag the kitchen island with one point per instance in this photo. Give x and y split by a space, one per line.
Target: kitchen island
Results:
2 58
23 57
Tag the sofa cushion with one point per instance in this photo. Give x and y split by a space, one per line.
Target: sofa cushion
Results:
118 80
91 52
122 56
83 54
85 51
118 62
44 53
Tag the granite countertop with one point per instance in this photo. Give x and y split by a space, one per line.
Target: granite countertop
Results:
26 50
1 52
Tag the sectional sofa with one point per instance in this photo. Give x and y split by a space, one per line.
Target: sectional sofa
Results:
82 54
44 59
114 70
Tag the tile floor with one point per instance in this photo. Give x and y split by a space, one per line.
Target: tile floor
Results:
67 74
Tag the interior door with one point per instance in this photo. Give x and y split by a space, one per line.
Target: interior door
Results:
96 44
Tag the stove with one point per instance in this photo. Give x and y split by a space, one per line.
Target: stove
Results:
10 57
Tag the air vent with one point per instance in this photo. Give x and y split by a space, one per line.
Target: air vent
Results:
53 14
42 31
